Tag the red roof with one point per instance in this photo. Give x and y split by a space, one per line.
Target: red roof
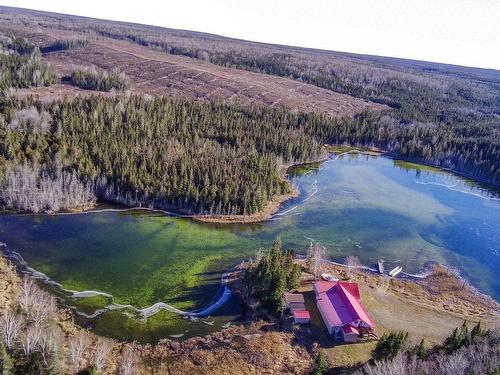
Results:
322 286
301 314
349 329
351 288
341 305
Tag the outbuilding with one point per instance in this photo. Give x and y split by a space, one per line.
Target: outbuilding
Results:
301 317
295 302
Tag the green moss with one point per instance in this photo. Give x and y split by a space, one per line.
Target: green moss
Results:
89 305
409 166
340 149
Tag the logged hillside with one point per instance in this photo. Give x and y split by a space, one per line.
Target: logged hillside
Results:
94 109
418 91
179 77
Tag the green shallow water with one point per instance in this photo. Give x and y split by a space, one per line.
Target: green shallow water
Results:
371 207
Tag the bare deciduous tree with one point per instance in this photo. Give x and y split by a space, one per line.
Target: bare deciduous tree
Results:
78 344
315 258
482 356
352 263
30 120
482 359
30 338
27 293
43 308
10 325
400 365
32 189
455 364
129 362
259 254
102 353
50 343
39 305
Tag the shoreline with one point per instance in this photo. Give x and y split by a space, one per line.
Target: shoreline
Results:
271 208
228 280
439 298
274 204
362 273
23 268
183 355
440 294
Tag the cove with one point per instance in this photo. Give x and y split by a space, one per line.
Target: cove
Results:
371 207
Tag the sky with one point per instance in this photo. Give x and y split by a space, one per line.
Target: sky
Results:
462 32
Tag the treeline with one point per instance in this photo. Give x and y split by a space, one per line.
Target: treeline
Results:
205 158
412 97
93 79
21 65
64 44
470 149
444 119
466 351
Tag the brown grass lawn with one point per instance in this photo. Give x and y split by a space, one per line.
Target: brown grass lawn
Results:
395 305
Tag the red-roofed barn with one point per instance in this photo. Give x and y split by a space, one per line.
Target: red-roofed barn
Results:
342 310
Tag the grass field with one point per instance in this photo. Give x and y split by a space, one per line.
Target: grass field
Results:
399 305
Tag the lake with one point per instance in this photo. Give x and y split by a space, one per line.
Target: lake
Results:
371 207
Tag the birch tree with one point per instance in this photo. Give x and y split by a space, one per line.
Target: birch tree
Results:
102 353
43 308
30 338
10 325
315 258
27 293
78 345
50 344
129 362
